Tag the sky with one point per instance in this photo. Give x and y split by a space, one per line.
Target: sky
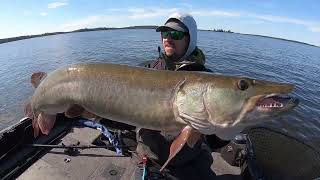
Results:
290 19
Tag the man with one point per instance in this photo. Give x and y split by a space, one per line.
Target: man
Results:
179 40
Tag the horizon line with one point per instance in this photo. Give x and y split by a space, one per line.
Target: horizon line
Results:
23 37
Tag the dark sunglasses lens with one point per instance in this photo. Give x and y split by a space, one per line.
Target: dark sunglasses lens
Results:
165 34
176 35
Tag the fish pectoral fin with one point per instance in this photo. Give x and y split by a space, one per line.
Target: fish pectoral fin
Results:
36 78
88 115
74 111
45 123
187 135
194 137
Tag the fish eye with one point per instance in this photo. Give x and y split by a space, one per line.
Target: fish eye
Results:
243 85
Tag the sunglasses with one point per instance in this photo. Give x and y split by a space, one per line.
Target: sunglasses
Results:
176 35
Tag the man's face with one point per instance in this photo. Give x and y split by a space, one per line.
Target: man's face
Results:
175 48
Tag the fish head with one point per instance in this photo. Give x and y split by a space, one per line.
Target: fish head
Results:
45 100
232 101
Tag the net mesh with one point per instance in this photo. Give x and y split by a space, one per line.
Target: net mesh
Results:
281 156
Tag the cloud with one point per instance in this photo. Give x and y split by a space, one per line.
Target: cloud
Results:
114 10
26 12
43 14
135 15
145 13
56 5
281 19
187 5
315 29
79 24
215 13
311 25
92 22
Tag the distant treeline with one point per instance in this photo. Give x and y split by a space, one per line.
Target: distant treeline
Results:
221 30
28 37
5 40
111 28
280 39
228 31
217 30
130 27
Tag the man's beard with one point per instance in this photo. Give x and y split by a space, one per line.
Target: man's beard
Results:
174 57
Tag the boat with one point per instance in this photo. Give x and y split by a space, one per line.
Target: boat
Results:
78 151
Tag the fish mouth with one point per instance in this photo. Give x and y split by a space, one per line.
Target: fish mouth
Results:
276 102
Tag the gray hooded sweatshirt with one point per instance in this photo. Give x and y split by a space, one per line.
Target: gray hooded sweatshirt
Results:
191 24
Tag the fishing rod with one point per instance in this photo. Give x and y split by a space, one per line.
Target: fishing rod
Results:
63 146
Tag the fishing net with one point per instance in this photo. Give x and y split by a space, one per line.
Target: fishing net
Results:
280 156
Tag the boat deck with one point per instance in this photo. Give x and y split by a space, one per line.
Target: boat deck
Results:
101 163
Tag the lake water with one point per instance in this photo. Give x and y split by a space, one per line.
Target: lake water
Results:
226 53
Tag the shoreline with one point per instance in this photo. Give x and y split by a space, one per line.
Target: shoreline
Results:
18 38
289 40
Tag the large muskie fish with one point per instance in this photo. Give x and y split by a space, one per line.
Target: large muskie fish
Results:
191 102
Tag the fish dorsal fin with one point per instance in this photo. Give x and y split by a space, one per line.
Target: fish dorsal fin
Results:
36 78
188 135
74 111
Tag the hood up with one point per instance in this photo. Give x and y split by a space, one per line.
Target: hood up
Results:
191 24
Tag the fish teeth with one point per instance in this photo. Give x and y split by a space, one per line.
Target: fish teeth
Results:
277 105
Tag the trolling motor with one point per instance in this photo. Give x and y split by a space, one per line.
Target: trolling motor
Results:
235 152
